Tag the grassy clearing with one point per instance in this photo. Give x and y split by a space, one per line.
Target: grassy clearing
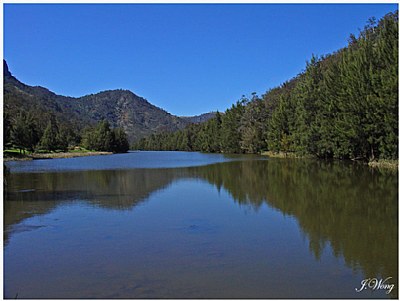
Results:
78 149
68 155
284 155
15 155
385 164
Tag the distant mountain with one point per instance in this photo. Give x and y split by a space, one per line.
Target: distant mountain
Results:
199 118
121 108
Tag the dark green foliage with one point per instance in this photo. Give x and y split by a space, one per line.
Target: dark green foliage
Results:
56 137
230 134
344 105
50 139
24 135
6 130
210 137
121 144
278 134
35 130
103 138
67 136
27 131
252 127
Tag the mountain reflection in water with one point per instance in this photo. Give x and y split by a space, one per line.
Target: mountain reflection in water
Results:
349 208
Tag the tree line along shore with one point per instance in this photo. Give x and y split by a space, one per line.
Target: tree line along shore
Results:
15 155
342 106
23 140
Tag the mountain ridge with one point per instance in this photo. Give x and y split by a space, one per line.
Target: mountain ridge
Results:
122 108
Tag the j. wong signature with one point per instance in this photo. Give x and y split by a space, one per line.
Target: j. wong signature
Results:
376 284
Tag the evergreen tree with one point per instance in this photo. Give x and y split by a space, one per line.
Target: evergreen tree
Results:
23 132
252 126
50 138
230 135
344 105
7 130
103 138
121 144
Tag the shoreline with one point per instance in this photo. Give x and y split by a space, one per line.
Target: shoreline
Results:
62 155
384 164
290 155
378 164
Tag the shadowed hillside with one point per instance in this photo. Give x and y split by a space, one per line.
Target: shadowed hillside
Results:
121 108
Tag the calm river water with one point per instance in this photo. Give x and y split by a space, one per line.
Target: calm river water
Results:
191 225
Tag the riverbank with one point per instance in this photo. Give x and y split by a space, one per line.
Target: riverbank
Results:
385 164
37 156
285 155
380 164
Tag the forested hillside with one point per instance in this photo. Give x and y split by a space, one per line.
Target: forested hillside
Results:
120 108
38 119
343 105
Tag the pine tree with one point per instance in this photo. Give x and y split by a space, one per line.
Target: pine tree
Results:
121 144
23 132
252 126
50 138
344 105
230 135
7 130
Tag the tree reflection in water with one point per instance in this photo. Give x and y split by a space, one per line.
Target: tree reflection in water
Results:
348 207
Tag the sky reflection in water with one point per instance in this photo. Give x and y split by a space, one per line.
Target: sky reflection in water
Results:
238 229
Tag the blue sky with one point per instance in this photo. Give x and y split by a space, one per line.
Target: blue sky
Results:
185 58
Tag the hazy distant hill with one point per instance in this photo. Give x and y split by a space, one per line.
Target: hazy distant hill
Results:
121 108
199 118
